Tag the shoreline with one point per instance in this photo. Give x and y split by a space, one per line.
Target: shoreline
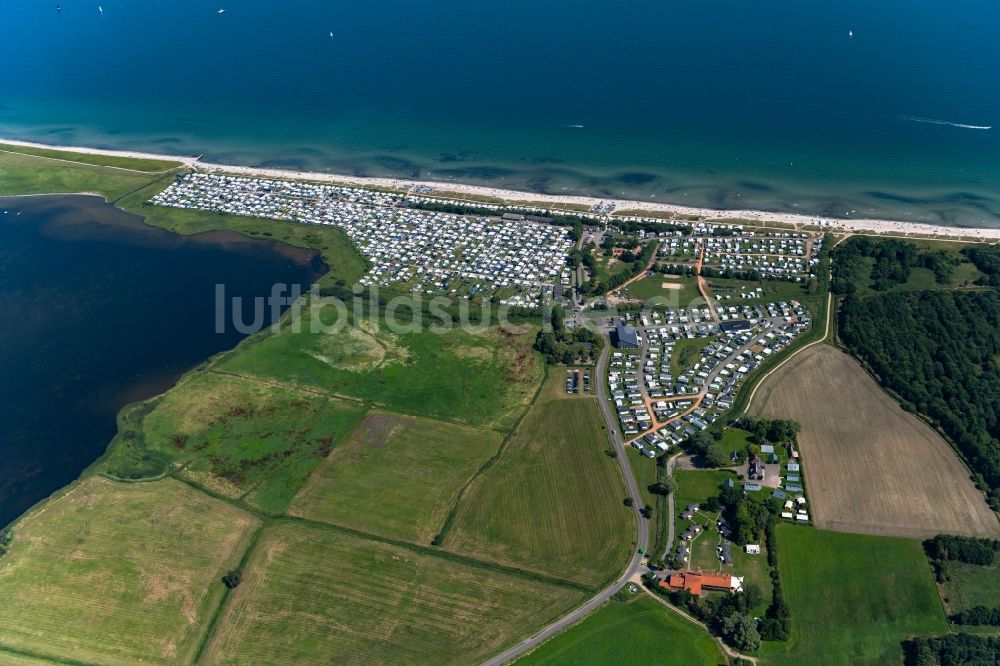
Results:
634 207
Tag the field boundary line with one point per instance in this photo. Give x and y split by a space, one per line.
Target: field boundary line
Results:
213 621
180 165
449 519
275 383
42 657
431 551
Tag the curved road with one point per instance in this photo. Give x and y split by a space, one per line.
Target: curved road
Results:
642 528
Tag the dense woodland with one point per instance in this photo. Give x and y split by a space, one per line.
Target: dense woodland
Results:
940 352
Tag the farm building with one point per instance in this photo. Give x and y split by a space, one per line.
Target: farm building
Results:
695 582
753 549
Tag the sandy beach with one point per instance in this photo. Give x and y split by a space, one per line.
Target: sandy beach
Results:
859 225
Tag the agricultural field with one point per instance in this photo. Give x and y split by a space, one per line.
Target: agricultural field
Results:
241 438
552 503
314 595
484 379
119 573
870 467
853 598
396 476
633 632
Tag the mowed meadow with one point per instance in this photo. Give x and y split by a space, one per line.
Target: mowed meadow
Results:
116 573
318 596
870 466
853 598
552 503
397 476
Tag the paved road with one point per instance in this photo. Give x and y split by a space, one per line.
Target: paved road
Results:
642 528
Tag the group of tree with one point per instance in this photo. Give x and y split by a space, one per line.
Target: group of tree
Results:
978 615
6 538
631 227
894 260
952 650
703 446
937 350
774 431
749 275
559 344
945 548
727 615
596 286
677 269
987 260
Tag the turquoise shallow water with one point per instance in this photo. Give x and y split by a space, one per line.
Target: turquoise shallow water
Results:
728 104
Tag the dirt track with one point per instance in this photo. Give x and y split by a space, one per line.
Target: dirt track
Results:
869 466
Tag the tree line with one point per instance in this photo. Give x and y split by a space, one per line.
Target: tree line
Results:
952 650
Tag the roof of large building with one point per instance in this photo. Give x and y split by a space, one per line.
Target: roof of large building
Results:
626 335
694 582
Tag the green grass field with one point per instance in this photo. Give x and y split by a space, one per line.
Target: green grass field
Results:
652 287
639 631
484 379
970 585
26 174
853 598
552 503
134 164
734 440
317 596
116 573
238 437
396 476
685 354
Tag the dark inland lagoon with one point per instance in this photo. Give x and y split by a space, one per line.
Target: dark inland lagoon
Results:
97 310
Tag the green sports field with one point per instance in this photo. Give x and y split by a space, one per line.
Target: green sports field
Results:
396 476
853 598
640 631
552 503
314 595
116 573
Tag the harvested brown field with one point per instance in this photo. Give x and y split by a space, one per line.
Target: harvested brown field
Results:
870 466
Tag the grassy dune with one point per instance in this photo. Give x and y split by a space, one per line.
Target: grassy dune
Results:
483 379
119 573
853 598
552 503
317 596
396 476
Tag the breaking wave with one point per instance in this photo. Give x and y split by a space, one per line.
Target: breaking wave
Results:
932 121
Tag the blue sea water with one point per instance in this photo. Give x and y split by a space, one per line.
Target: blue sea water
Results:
768 104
